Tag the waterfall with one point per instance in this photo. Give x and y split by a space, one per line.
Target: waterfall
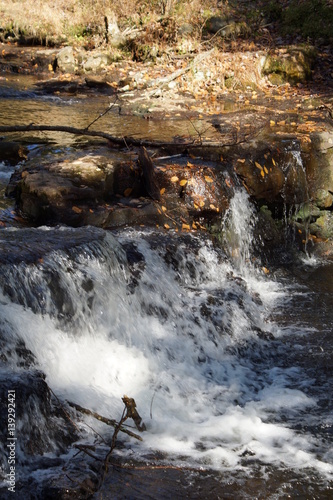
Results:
170 320
238 227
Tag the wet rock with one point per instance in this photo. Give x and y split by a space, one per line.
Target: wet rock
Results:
320 168
323 226
261 185
51 192
292 65
66 60
39 423
45 58
12 152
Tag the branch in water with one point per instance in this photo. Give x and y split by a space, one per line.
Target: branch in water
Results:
122 141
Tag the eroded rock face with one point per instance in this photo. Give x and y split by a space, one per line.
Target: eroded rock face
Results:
110 192
94 190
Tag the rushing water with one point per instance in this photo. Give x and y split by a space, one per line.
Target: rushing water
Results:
172 322
230 368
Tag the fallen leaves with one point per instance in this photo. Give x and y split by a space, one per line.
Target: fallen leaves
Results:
208 179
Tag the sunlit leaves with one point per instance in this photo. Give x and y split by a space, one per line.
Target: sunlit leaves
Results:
77 210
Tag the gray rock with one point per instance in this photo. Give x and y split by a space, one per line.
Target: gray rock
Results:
95 62
66 60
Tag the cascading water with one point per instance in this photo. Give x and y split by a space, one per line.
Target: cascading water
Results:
171 321
238 226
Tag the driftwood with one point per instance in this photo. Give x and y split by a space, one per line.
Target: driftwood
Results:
131 412
149 176
105 420
121 141
162 82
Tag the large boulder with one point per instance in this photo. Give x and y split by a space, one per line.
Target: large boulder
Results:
99 191
293 64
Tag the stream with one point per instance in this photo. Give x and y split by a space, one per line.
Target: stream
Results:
230 367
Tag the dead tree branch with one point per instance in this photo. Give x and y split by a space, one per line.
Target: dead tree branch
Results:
162 82
120 141
107 421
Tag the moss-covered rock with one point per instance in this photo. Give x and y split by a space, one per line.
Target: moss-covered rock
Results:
293 65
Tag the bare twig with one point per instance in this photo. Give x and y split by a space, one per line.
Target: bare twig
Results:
102 114
86 449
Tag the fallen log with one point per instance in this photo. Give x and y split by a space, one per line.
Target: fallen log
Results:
120 141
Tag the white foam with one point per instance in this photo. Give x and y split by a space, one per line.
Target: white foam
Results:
209 404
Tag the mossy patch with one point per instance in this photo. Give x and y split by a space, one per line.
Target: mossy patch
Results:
293 65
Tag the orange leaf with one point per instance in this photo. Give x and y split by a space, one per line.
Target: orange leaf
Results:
162 191
208 179
186 227
174 179
166 226
128 191
258 165
77 210
183 182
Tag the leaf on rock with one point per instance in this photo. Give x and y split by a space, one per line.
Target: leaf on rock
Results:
77 210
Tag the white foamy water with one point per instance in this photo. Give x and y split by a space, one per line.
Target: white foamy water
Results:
175 324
